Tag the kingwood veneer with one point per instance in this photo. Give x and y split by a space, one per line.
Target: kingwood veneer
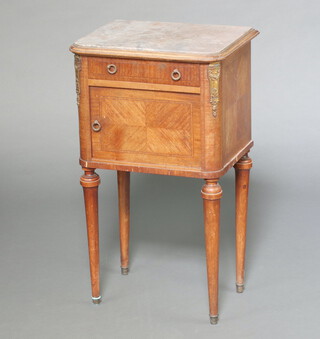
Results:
172 99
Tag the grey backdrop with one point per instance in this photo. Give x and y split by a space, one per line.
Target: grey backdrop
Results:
44 276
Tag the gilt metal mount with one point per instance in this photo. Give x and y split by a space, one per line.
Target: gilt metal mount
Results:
77 67
214 76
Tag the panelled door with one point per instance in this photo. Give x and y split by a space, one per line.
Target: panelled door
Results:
146 127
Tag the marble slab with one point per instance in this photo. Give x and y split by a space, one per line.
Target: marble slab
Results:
163 37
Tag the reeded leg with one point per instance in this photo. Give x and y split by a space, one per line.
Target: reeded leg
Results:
242 168
211 193
124 218
90 182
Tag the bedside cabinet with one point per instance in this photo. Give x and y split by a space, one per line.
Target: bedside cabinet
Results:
171 99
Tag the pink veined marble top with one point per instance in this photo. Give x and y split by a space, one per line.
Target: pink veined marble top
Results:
163 37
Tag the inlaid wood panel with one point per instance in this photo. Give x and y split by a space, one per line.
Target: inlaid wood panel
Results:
146 127
144 71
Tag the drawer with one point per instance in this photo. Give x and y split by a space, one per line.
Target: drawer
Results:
144 71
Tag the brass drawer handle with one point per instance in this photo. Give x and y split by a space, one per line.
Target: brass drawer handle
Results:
175 75
96 126
112 69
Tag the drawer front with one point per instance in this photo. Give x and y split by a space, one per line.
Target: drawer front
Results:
135 126
144 71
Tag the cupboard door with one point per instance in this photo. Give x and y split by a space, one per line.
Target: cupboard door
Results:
138 126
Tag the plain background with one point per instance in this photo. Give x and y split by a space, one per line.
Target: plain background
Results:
44 275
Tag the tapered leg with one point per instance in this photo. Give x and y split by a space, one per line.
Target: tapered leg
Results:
242 169
90 182
211 193
124 218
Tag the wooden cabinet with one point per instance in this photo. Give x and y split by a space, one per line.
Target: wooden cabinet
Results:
172 99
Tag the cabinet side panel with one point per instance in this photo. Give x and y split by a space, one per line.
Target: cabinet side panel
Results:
81 66
236 102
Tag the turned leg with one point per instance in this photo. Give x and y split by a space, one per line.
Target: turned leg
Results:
90 182
211 193
242 169
124 218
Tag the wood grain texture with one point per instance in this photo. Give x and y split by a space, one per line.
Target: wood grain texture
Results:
236 102
143 86
90 182
124 218
146 127
211 193
84 109
169 170
144 71
242 170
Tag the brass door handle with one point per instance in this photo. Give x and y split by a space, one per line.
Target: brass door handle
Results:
112 69
175 75
96 127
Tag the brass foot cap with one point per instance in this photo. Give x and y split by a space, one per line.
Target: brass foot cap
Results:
124 270
240 288
96 300
214 319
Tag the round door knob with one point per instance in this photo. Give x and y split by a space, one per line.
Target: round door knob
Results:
96 127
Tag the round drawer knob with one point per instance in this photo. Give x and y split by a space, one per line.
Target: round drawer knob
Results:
175 75
96 127
112 69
